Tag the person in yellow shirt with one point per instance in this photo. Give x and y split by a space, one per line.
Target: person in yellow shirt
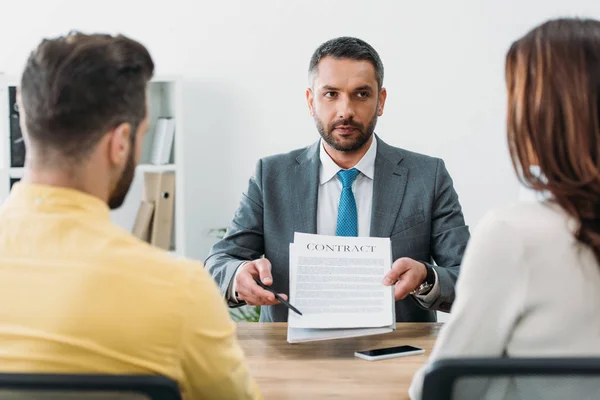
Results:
77 293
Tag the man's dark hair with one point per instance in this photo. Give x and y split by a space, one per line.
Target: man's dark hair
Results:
77 87
348 47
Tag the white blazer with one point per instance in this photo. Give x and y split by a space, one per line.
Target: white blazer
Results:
527 288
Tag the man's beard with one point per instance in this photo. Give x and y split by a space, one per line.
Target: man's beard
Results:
363 137
117 197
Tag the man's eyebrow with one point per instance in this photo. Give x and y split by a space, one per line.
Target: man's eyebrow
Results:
329 87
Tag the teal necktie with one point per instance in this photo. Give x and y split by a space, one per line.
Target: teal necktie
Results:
347 220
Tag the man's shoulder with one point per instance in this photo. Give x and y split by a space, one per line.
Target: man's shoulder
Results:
409 159
291 157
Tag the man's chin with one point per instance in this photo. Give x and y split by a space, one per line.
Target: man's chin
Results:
347 149
346 143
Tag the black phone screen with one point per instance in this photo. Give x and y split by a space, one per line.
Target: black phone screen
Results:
389 350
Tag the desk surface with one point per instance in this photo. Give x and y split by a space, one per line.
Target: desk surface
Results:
329 369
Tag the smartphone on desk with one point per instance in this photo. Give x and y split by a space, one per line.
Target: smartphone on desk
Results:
388 352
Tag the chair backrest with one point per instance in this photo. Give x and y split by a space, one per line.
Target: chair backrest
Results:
512 378
87 386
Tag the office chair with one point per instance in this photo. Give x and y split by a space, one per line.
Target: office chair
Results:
87 386
512 379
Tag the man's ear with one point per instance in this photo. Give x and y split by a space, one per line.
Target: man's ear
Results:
23 123
309 100
381 105
119 144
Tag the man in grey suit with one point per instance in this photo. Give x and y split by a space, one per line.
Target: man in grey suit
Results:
349 183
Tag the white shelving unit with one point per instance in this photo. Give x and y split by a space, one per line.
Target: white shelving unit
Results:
15 173
165 100
157 168
5 170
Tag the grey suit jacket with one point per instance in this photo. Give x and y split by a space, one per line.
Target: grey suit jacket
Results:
414 204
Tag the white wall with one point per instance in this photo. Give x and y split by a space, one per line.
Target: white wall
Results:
246 63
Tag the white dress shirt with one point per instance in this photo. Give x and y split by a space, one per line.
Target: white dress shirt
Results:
527 288
330 190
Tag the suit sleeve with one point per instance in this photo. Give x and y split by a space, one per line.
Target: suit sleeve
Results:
449 238
244 239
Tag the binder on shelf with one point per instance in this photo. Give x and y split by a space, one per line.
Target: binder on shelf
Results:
162 144
143 221
154 220
17 144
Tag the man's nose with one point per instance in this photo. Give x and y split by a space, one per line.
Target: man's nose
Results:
345 109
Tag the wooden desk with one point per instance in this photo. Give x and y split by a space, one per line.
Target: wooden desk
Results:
329 369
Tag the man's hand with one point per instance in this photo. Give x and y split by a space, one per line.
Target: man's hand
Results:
407 274
248 290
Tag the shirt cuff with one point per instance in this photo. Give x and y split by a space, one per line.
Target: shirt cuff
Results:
231 290
428 299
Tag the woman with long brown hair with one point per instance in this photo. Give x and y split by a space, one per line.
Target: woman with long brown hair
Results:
530 278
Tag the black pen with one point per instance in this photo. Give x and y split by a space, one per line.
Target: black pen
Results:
278 297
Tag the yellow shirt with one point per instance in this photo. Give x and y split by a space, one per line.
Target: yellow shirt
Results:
79 294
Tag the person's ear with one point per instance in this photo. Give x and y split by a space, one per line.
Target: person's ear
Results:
381 103
309 100
119 144
22 115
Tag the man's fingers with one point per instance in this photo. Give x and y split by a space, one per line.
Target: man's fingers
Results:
267 298
402 289
247 288
264 270
283 296
399 267
407 282
246 282
249 291
258 301
253 294
264 295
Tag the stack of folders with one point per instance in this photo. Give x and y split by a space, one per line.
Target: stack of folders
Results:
154 219
163 141
336 283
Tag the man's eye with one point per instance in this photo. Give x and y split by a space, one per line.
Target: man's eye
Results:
330 94
363 94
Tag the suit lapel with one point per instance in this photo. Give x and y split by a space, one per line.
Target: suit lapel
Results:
304 185
389 184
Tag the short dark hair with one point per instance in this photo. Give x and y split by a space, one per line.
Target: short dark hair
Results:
75 88
348 47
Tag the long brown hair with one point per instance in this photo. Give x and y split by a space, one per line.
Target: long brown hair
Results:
553 118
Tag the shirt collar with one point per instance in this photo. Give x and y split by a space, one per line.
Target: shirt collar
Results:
329 168
55 199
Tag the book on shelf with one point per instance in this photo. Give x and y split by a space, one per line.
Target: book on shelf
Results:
143 221
162 144
337 284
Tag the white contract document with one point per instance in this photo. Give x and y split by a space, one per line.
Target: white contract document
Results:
336 283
